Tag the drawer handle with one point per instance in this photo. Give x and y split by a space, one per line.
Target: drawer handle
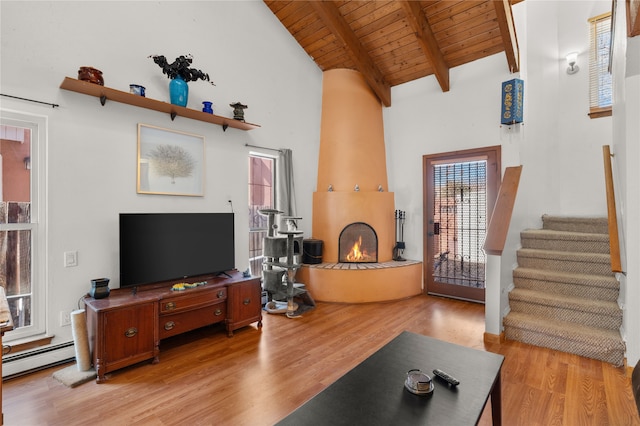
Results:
6 349
218 312
169 306
131 332
246 301
220 294
169 325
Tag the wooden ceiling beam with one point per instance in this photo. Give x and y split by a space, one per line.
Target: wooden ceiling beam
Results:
633 18
420 26
508 32
330 15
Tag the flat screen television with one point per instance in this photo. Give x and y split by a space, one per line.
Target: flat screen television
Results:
157 247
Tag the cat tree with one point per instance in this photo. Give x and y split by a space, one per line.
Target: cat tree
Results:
280 249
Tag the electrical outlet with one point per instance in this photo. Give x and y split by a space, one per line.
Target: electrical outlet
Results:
65 318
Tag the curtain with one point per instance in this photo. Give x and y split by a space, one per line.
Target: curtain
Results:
285 190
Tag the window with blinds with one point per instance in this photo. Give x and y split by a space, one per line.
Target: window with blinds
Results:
600 87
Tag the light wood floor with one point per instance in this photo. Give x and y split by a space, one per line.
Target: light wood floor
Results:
258 377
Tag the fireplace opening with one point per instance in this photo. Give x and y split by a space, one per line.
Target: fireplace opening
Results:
358 243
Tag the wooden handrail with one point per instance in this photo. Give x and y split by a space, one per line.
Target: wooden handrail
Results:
612 218
501 217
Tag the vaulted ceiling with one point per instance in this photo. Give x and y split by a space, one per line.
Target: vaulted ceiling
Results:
393 42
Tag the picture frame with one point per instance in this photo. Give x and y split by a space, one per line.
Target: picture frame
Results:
170 162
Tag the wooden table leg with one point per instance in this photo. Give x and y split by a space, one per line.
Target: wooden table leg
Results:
496 400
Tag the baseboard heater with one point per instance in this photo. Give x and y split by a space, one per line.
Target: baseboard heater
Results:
36 360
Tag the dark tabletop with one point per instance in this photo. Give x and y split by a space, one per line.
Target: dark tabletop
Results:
373 392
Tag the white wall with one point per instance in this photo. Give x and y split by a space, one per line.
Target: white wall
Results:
559 147
92 149
626 135
424 120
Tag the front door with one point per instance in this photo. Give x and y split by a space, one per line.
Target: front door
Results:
460 190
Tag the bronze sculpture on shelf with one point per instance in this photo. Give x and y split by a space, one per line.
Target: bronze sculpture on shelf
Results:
238 110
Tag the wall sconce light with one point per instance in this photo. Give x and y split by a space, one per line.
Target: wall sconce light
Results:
572 58
27 163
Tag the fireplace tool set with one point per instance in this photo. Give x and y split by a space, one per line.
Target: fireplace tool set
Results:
399 248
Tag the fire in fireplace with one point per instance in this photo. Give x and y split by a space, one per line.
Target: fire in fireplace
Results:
358 243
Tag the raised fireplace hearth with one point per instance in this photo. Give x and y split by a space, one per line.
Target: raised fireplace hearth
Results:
353 210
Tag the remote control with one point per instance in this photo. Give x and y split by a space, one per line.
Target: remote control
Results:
446 377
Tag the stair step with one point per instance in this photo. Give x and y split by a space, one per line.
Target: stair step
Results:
596 287
546 239
596 225
565 295
591 342
584 263
578 310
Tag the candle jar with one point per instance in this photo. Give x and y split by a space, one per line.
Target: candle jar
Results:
136 89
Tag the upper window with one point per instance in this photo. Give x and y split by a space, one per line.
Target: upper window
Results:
21 225
600 87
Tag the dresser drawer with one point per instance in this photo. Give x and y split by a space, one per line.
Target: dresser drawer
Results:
192 299
177 323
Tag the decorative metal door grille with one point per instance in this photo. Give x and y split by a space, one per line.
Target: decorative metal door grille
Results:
460 223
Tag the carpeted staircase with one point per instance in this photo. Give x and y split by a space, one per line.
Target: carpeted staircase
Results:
565 295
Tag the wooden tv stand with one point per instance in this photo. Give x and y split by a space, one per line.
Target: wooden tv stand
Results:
126 327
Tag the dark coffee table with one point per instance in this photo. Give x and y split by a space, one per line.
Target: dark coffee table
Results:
373 392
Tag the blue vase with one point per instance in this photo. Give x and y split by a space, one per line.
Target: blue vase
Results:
178 91
207 107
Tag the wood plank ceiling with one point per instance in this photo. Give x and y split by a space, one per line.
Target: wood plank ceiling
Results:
393 42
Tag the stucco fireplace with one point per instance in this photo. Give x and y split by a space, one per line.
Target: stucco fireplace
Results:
352 195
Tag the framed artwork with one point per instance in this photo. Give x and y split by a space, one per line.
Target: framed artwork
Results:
170 162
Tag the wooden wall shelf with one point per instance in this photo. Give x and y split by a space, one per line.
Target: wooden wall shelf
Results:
104 93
